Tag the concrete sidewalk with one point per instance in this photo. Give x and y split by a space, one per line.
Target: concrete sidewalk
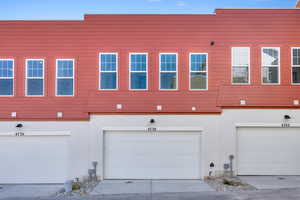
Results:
29 191
110 187
272 182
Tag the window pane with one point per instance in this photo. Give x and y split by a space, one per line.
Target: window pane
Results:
65 68
167 80
270 56
198 62
108 62
198 80
6 68
108 80
35 68
6 86
138 62
138 80
35 86
240 74
270 75
240 56
296 74
65 87
296 56
168 62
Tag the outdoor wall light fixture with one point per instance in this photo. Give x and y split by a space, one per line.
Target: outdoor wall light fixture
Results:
13 114
152 121
287 117
119 106
212 43
242 102
19 125
59 114
158 107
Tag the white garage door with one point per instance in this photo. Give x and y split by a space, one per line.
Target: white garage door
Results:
159 155
33 159
268 151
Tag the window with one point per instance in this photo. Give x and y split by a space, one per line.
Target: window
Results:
108 71
138 71
64 77
34 77
270 65
296 65
240 65
168 71
198 71
6 77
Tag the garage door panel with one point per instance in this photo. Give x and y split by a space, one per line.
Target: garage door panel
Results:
268 151
33 159
152 156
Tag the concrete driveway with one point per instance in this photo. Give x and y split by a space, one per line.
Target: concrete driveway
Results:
109 187
272 182
29 191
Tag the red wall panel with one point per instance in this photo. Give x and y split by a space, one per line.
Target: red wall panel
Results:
84 40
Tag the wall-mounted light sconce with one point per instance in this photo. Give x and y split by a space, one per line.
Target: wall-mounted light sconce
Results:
287 117
158 107
119 106
19 125
212 43
152 121
296 102
59 114
194 108
14 114
242 102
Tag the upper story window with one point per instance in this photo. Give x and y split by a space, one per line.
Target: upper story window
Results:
270 65
6 77
240 65
138 71
64 77
296 65
198 71
168 71
108 71
34 77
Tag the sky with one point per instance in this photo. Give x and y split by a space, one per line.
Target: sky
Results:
75 9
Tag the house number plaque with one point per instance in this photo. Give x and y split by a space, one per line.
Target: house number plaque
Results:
285 125
151 129
20 133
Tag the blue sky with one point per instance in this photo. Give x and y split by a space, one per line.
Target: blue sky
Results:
75 9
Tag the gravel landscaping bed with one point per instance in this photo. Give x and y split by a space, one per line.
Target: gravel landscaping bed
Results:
228 184
79 189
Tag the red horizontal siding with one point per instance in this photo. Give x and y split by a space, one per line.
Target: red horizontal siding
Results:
83 40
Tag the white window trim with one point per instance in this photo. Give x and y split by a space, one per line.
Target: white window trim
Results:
13 77
249 66
56 76
130 71
262 66
117 70
292 65
190 71
168 72
26 77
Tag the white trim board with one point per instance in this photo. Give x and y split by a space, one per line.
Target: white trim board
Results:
181 129
37 133
266 125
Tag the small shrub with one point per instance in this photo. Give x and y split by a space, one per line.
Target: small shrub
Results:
231 182
76 186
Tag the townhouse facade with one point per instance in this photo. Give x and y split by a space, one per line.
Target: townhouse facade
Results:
150 96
